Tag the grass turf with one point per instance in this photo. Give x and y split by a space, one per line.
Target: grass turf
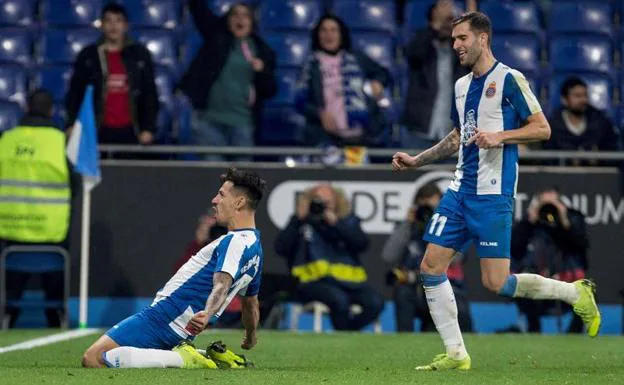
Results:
284 358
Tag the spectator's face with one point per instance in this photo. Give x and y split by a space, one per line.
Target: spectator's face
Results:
240 21
327 195
466 44
548 197
577 99
432 201
329 36
114 27
224 202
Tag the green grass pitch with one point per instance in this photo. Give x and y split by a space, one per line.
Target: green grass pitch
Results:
338 358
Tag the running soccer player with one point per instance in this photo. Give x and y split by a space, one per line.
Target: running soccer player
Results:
197 294
494 111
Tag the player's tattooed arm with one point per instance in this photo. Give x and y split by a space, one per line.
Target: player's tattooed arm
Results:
442 150
221 283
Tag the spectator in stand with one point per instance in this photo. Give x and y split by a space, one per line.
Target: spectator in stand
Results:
433 70
577 125
122 73
228 80
330 92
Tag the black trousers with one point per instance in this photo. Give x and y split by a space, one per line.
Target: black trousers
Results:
410 302
339 298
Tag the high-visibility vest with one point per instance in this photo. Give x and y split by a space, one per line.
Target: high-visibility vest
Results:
34 185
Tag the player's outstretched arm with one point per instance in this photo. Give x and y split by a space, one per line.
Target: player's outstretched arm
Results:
442 150
221 283
250 317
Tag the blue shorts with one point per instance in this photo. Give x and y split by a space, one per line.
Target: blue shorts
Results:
483 219
142 331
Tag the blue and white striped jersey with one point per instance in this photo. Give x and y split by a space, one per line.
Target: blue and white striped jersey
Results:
499 100
238 253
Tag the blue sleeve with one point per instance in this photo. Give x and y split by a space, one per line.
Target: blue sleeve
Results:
518 93
454 113
254 286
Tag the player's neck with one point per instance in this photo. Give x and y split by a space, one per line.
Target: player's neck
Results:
242 221
484 64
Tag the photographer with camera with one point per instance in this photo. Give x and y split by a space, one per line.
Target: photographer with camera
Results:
405 248
321 244
551 241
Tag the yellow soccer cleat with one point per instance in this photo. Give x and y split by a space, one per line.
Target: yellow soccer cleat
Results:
225 358
443 362
192 358
586 307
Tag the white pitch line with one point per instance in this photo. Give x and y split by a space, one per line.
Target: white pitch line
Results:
48 340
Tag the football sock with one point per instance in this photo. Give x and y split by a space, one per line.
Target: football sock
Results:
128 357
443 309
537 287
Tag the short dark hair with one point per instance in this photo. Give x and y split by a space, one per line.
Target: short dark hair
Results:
427 191
247 182
479 23
547 189
249 7
570 83
345 35
40 103
116 9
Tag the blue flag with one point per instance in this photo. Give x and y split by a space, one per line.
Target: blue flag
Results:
82 147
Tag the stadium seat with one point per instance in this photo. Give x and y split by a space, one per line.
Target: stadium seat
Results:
161 43
276 15
599 87
13 84
279 126
286 83
379 47
76 13
367 15
153 13
291 49
164 84
17 12
584 54
192 44
55 79
15 45
586 17
512 16
164 124
220 7
10 114
518 51
62 46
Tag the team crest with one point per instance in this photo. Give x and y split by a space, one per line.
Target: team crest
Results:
491 90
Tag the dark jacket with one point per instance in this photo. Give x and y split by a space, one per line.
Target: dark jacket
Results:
422 86
310 100
600 133
88 70
211 57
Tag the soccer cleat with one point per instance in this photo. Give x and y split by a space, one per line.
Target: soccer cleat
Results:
192 358
443 362
586 307
225 358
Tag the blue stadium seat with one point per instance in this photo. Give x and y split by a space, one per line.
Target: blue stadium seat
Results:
13 84
15 45
17 12
512 16
74 13
220 7
162 45
153 13
586 17
55 79
587 53
379 47
518 51
164 124
367 15
62 46
164 84
10 114
599 87
280 126
192 44
291 49
289 14
286 83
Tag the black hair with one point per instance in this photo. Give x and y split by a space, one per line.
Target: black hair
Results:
427 191
479 23
570 83
345 35
116 9
250 7
247 182
547 189
40 103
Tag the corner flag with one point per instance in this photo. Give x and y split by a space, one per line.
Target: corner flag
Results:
82 147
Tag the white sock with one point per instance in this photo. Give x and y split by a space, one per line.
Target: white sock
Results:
537 287
443 309
128 357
